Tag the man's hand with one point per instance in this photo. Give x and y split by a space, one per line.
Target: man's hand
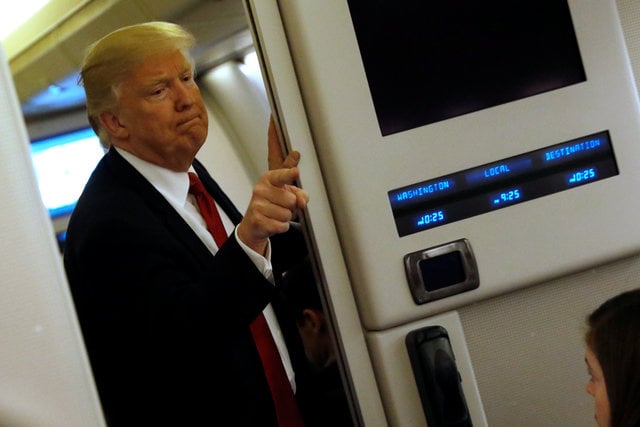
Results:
275 198
275 155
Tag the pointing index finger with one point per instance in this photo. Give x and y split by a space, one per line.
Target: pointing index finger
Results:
281 177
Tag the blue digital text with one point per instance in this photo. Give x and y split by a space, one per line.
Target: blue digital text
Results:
570 150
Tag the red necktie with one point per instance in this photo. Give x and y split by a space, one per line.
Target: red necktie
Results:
281 392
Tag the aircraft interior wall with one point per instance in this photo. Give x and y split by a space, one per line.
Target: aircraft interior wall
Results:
44 373
526 347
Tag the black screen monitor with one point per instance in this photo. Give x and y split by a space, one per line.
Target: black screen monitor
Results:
428 61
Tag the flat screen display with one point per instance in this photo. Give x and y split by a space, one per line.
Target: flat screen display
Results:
428 61
63 164
503 183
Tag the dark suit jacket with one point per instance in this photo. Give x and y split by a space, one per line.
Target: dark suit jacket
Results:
166 323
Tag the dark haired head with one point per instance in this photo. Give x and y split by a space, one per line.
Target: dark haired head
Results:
614 338
300 290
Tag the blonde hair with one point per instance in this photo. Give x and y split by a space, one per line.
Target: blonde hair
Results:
110 60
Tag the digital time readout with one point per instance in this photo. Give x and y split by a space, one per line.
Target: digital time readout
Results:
430 218
581 176
506 196
504 183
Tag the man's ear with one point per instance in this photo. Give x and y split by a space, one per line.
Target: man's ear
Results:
112 125
314 319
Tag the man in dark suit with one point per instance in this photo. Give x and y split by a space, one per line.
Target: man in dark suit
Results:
166 313
321 393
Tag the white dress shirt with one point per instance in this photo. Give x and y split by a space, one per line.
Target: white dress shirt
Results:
174 186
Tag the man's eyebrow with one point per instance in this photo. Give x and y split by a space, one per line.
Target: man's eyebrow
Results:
155 80
165 78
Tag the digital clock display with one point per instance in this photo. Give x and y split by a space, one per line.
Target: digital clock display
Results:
506 196
504 183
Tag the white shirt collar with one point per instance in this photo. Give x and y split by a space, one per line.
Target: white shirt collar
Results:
174 186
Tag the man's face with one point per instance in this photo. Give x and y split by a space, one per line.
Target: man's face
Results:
161 116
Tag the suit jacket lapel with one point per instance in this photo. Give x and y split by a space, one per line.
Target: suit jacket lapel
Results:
148 193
